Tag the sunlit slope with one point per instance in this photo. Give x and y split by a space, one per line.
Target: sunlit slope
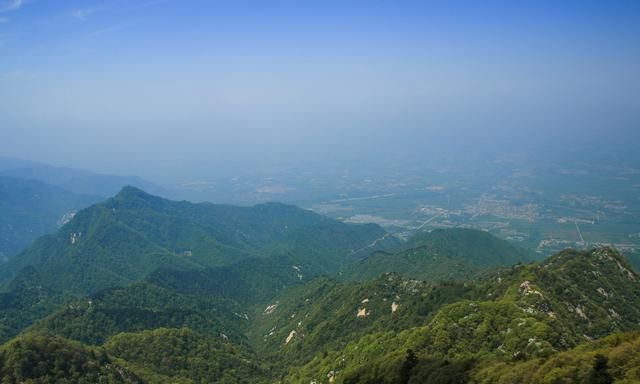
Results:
524 312
443 254
132 234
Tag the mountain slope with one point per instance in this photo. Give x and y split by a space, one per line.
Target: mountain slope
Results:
182 355
617 355
132 234
164 355
348 332
442 254
522 313
30 209
36 358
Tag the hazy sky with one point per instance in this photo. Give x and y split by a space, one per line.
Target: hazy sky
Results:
178 89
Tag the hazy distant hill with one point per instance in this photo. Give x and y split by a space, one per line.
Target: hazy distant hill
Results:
442 254
132 234
7 163
73 180
30 209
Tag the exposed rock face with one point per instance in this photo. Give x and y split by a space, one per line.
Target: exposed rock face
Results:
291 336
270 308
362 312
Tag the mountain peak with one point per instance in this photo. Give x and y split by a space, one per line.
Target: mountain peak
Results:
129 191
132 195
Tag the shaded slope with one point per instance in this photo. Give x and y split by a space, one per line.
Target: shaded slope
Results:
29 209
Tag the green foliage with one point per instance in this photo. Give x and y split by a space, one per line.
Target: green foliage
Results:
611 359
600 371
128 237
411 370
443 254
247 254
173 292
249 281
24 303
185 354
36 358
145 306
410 361
479 247
494 329
519 314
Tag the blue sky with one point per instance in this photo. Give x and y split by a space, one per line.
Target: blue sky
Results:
108 84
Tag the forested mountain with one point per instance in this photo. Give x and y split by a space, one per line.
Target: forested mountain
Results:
36 199
442 254
538 318
30 209
132 234
523 313
37 358
142 244
142 289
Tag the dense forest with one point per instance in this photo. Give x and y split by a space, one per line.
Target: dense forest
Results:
138 289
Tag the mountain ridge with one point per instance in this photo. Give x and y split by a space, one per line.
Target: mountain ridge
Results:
453 253
128 236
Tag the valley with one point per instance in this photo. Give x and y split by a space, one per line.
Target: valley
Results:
544 205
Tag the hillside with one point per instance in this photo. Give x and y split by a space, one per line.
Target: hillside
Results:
131 235
615 356
30 209
361 332
525 318
142 289
36 358
442 254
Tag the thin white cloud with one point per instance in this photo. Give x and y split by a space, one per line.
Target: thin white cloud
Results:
82 14
10 5
106 31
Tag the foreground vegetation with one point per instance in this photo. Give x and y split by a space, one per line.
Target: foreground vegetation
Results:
270 316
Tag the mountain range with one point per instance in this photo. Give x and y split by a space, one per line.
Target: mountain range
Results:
37 199
139 289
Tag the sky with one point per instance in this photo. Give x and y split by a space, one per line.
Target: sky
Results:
173 90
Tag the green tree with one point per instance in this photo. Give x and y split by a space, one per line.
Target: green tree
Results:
409 362
600 371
